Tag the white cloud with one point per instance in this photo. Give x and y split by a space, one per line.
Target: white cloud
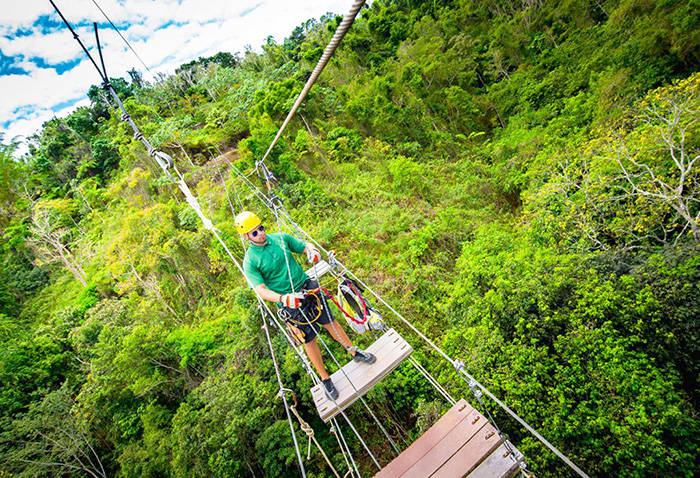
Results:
54 47
22 14
194 28
24 128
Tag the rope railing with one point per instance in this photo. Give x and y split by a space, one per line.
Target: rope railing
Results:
166 164
458 365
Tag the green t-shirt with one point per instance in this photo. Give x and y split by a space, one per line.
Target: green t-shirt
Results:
266 264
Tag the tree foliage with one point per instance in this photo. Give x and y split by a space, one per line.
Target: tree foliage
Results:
520 179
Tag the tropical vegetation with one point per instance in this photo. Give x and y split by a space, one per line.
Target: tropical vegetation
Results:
519 178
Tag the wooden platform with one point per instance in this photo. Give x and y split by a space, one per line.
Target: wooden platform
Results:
390 349
322 267
462 443
499 464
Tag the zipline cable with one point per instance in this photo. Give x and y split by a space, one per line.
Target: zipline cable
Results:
327 54
125 40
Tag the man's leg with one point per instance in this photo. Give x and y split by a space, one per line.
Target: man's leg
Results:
338 333
314 353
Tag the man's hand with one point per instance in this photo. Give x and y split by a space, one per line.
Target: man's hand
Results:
312 253
293 300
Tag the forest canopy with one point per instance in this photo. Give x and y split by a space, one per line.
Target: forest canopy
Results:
520 179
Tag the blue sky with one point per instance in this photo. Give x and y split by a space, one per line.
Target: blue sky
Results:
44 73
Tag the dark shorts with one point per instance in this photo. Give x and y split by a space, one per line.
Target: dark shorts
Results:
308 318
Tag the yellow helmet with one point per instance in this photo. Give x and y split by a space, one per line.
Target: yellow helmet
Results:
246 222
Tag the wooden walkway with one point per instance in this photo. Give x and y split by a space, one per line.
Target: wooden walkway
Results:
322 267
390 349
461 444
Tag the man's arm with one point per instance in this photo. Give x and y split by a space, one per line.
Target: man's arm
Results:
298 246
268 294
292 300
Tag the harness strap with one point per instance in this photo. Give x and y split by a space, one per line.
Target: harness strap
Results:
365 314
319 309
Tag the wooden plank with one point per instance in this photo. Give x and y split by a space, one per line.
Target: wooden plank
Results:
356 379
386 349
322 267
390 350
451 444
423 445
389 353
461 443
500 464
469 456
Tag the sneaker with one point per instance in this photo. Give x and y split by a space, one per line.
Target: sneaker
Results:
331 391
364 357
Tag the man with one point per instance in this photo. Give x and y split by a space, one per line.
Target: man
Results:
276 276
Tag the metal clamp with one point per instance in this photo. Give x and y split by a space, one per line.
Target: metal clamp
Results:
283 392
163 158
475 388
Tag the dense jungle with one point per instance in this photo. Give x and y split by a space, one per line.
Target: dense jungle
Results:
519 178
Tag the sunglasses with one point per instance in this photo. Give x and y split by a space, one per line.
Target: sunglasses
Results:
257 230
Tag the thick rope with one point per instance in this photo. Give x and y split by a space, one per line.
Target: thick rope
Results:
306 428
322 62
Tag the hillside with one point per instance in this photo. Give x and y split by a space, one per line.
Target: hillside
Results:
519 179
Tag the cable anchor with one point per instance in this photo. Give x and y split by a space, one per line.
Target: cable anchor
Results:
163 158
473 384
283 391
